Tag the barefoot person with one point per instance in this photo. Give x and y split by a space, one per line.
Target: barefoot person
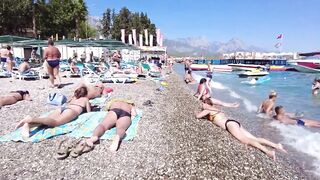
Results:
285 118
268 105
3 57
13 97
121 113
188 78
235 129
78 105
10 59
52 56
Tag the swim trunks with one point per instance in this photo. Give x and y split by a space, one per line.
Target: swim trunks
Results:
300 122
3 59
120 113
53 63
231 120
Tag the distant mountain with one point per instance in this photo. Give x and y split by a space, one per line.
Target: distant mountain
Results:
94 21
201 46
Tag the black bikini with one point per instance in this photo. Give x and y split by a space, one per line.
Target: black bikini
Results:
120 113
22 93
231 120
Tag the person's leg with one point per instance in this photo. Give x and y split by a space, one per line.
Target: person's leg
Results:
122 125
51 76
108 122
311 123
7 100
56 74
221 103
9 66
262 140
234 129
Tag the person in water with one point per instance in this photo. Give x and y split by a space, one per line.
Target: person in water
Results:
24 67
121 113
285 118
235 129
204 92
188 78
268 104
14 97
254 80
52 56
76 106
315 86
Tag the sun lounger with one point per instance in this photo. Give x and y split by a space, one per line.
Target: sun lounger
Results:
29 75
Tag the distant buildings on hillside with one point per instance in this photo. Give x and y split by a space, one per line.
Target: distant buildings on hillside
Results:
260 55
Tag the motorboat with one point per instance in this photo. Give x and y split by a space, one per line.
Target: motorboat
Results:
309 64
246 67
253 73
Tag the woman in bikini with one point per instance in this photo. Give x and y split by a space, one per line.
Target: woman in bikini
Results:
121 113
236 130
78 105
13 97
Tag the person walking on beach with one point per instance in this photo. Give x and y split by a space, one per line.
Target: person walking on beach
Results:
10 59
268 104
235 129
187 64
3 57
285 118
52 56
78 105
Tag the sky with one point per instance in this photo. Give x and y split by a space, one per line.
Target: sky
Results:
255 22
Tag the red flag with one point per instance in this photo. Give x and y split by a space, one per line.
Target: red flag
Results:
279 36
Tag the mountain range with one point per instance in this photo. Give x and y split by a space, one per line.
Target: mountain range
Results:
201 46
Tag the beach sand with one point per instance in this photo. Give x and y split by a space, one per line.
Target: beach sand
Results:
170 143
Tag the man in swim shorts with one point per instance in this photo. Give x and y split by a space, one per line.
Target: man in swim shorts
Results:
3 57
284 117
52 55
268 104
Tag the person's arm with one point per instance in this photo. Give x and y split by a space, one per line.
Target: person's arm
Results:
260 108
201 92
88 106
59 54
45 55
202 114
286 120
208 107
269 110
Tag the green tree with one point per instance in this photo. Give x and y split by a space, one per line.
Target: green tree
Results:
86 31
106 23
79 13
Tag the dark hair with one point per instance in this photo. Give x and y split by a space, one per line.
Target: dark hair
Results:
80 92
50 42
256 78
272 96
208 101
189 72
203 80
8 47
277 109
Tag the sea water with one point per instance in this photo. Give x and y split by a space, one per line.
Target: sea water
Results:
294 93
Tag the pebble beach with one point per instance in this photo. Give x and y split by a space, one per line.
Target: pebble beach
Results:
170 144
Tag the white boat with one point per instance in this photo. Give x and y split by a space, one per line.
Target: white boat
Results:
220 68
246 67
253 73
310 64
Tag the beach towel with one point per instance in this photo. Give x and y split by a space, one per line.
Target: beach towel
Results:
41 133
86 130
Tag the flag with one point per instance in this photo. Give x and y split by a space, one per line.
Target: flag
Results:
280 36
278 45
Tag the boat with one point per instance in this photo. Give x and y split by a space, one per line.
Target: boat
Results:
246 67
309 64
220 68
253 73
199 67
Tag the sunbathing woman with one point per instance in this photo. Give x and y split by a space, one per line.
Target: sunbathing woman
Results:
13 97
235 129
78 105
121 112
93 90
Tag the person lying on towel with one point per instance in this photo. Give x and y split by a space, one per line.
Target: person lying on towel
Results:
78 105
13 97
121 113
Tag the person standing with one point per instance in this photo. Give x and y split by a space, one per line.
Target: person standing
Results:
10 60
52 55
3 56
83 57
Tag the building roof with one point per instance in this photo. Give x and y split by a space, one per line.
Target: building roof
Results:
11 39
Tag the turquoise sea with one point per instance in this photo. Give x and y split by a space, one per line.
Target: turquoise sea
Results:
294 93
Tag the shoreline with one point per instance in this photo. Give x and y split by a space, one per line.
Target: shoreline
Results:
170 142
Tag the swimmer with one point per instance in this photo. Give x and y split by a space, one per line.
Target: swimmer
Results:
268 104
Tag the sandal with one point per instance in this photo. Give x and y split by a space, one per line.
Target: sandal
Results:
63 153
80 148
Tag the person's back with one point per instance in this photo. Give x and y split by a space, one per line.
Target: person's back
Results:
52 53
268 105
24 67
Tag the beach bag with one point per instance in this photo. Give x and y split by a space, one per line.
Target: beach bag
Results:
56 99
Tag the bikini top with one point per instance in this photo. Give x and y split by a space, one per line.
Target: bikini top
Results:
84 109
